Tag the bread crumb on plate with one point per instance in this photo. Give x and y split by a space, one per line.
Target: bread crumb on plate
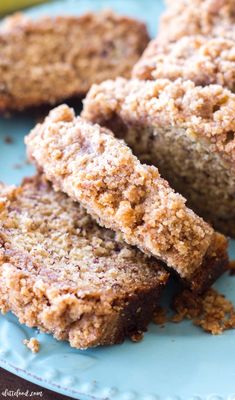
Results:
211 311
33 344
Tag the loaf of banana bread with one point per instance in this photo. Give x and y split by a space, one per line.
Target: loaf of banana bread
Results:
188 132
62 273
92 166
197 58
51 59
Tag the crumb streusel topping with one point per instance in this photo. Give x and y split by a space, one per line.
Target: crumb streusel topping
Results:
191 17
197 58
206 114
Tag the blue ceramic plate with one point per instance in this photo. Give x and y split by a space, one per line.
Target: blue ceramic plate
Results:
176 362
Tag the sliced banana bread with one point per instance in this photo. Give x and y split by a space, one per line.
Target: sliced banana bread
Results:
50 59
62 273
92 166
187 131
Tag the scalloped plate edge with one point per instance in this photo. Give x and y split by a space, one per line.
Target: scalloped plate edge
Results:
44 383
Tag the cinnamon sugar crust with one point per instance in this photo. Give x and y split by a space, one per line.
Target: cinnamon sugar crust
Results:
188 132
62 273
198 58
191 17
50 59
91 166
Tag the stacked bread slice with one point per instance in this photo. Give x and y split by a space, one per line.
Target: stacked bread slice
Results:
93 167
188 132
186 128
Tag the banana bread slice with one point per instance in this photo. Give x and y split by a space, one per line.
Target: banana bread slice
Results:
188 132
197 58
62 273
51 59
92 166
191 17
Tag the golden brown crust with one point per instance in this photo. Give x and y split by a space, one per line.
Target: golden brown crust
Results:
90 165
50 59
61 272
198 58
191 17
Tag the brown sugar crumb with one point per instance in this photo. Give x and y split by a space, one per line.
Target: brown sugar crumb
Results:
197 58
160 316
137 337
32 344
8 139
212 311
231 267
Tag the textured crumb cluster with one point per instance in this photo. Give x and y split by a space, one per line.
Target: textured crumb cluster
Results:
198 58
63 273
187 131
211 311
189 17
160 316
231 267
51 59
90 165
33 344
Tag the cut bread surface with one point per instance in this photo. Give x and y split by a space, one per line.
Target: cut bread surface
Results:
62 273
89 164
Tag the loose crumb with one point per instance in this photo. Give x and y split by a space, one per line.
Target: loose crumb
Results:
137 337
32 344
231 267
8 139
18 166
212 311
160 316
